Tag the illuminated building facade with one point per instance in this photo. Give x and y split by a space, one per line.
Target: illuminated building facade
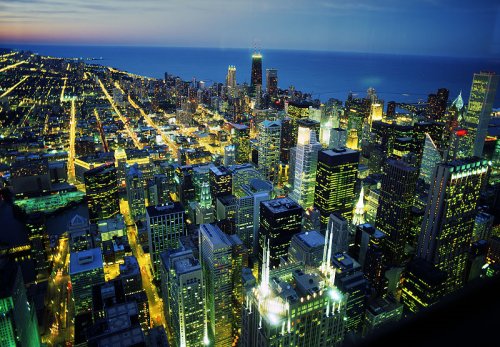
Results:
397 195
102 192
450 216
477 117
231 77
240 136
38 237
338 227
183 297
165 224
293 306
307 248
280 219
85 270
221 181
430 158
335 179
135 193
423 285
380 312
18 321
269 149
222 258
306 161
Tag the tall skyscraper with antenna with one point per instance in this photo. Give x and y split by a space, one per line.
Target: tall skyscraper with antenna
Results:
256 76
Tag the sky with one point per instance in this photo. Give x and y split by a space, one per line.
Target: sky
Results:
468 28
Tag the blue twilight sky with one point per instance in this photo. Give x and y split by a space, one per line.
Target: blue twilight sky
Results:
432 27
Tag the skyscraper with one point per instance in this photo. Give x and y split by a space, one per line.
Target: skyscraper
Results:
37 235
338 228
256 76
280 219
269 149
135 193
240 135
85 270
272 82
18 322
102 192
231 77
165 224
298 307
221 182
335 179
450 216
306 161
221 262
183 297
397 195
482 96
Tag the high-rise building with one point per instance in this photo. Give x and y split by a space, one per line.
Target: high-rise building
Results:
85 270
350 280
240 135
269 149
450 216
37 235
298 307
272 82
338 138
231 77
102 192
165 224
256 76
280 219
482 96
380 312
221 182
423 285
79 235
307 247
222 259
397 195
306 161
183 297
135 193
335 180
18 321
338 227
430 158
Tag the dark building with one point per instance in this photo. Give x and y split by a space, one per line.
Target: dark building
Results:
256 77
280 219
335 180
221 182
397 195
272 82
30 177
102 192
423 285
38 237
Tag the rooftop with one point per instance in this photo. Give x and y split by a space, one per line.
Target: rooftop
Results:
312 239
85 261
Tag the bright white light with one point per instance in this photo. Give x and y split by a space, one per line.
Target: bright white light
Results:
274 319
335 295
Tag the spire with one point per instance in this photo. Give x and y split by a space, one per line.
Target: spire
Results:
458 102
359 213
264 283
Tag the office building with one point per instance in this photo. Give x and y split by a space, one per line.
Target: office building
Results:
256 74
102 192
135 193
298 307
338 228
183 297
272 82
38 238
380 312
477 117
85 270
280 219
30 177
307 248
335 180
130 274
165 225
350 280
450 216
18 321
338 138
222 259
397 194
306 161
423 285
240 136
269 149
221 182
231 77
430 158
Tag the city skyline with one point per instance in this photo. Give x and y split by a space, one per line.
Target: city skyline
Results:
442 28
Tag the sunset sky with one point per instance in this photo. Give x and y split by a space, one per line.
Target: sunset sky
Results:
435 27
